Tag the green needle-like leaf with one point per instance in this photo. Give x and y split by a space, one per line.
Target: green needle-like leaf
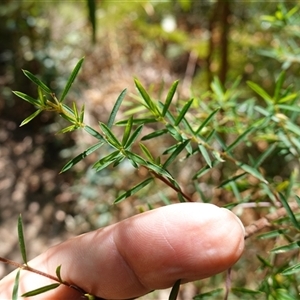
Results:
31 117
291 270
183 112
107 160
16 286
175 290
205 154
252 171
58 271
240 138
111 138
289 107
204 123
68 129
149 103
209 295
175 153
75 111
158 170
135 158
231 179
71 79
81 156
41 290
170 97
37 81
289 211
115 109
22 240
137 121
286 248
133 137
146 152
133 190
81 116
127 131
260 91
278 85
94 133
154 134
27 98
42 97
264 155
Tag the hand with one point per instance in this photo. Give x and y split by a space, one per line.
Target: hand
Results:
152 250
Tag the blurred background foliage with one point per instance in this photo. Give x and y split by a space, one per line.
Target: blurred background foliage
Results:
214 48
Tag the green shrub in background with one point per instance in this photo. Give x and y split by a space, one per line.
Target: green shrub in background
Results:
246 145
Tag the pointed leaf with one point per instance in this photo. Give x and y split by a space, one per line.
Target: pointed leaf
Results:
107 160
174 132
248 292
264 155
31 117
111 138
135 158
71 79
75 110
170 97
231 179
217 88
154 134
289 107
291 270
16 286
159 170
286 248
27 98
175 290
201 172
272 234
278 85
183 111
138 121
133 137
127 130
264 262
42 97
41 290
58 271
81 156
38 82
133 190
81 116
288 98
69 111
68 129
240 138
150 104
205 154
260 91
176 152
94 133
209 295
252 171
289 211
146 152
206 121
22 240
115 109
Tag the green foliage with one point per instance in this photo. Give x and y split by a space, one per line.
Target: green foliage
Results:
248 138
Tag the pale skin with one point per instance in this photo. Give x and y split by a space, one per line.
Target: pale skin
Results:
152 250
